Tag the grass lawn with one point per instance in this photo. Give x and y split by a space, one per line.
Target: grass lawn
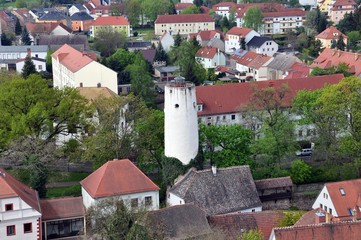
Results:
29 3
73 191
145 33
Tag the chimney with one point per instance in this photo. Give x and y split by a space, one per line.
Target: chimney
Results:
214 170
320 217
99 85
28 52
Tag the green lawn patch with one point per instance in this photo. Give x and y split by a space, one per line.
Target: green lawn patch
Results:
73 191
55 176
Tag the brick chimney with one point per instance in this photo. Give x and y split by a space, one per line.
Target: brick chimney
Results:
28 52
320 217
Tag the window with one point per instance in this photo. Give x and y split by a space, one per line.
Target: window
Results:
350 211
148 201
325 208
134 202
233 117
330 210
10 230
40 67
9 207
342 191
321 206
28 228
253 210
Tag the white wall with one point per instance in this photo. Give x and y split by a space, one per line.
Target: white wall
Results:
233 41
58 31
268 48
167 42
73 10
19 229
255 209
173 199
324 198
39 65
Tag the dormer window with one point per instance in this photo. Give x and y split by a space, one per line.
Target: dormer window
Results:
199 107
342 191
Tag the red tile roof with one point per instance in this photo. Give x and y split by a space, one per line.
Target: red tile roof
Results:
233 224
183 18
239 31
44 27
208 34
265 7
71 58
298 70
112 20
332 57
117 177
224 4
11 187
252 59
309 218
207 52
61 208
181 6
229 98
285 13
330 33
336 231
343 3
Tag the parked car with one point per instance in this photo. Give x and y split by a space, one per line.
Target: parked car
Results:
304 152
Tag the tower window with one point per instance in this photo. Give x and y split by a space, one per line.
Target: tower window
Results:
177 106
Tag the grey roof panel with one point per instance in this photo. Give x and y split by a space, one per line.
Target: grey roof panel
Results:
258 41
33 48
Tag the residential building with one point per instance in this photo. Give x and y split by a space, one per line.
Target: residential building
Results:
22 14
37 13
179 7
298 70
203 37
325 5
225 8
7 21
283 21
262 45
330 35
111 23
341 199
54 42
186 1
280 66
20 212
210 57
234 37
138 45
178 222
217 43
167 41
333 57
72 68
149 55
10 55
217 191
55 17
76 8
81 21
315 216
340 8
183 23
167 73
40 64
38 29
123 180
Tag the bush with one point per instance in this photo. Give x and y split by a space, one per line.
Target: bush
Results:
301 172
135 34
290 218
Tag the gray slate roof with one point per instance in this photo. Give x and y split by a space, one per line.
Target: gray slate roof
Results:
53 16
283 62
80 16
216 42
230 190
52 40
179 222
258 41
33 48
79 6
271 183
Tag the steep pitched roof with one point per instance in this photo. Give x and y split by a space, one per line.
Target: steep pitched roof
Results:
287 12
117 177
233 224
332 57
234 186
62 208
230 98
252 59
71 58
342 3
341 230
208 34
111 20
330 33
149 54
45 28
53 16
179 222
183 18
81 16
283 62
273 183
257 41
60 40
298 70
239 31
207 52
11 187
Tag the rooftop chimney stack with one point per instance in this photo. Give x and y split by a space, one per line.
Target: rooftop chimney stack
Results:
28 52
320 217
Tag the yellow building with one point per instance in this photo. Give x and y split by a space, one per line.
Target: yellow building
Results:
116 23
183 24
325 5
329 35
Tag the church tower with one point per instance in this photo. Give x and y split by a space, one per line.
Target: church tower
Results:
180 120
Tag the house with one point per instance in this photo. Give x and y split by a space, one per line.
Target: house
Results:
275 193
342 230
137 45
55 17
262 45
203 37
62 217
167 73
217 191
7 22
20 211
79 42
37 29
178 222
298 70
149 55
40 64
341 199
210 57
72 68
76 8
330 35
333 57
282 21
179 7
253 65
167 41
340 8
280 64
224 8
121 179
22 14
9 56
325 5
37 13
183 23
234 224
217 43
81 21
111 23
234 37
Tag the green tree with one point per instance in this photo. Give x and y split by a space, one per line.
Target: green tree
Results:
49 65
243 43
177 40
198 3
25 37
134 11
353 39
18 28
107 41
316 21
154 8
225 25
340 44
253 234
5 40
160 54
253 18
20 4
38 176
300 172
226 145
193 9
348 23
333 44
29 67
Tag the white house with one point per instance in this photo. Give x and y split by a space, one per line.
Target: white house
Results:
20 213
75 8
40 64
120 179
210 57
217 191
224 8
234 36
72 68
262 45
167 41
341 199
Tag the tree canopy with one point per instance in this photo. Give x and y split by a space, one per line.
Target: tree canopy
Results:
107 41
253 18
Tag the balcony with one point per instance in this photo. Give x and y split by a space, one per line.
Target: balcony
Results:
288 21
287 27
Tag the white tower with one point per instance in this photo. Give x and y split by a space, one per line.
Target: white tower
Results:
180 121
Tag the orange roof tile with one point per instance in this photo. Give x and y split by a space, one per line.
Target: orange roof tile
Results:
330 33
208 34
111 20
239 31
229 98
44 27
285 13
207 52
252 59
71 58
117 177
11 187
181 6
61 208
183 18
310 217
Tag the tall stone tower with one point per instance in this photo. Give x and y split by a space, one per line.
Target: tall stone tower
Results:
180 120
